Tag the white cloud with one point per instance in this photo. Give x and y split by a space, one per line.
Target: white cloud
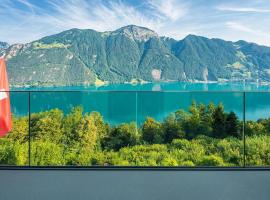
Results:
249 33
35 22
173 18
84 14
171 9
242 9
243 28
119 14
239 27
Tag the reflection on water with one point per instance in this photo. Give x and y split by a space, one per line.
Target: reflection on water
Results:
171 86
156 87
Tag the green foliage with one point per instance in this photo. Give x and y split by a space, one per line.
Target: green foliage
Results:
190 150
192 126
46 153
219 120
20 130
152 131
231 150
7 153
102 128
258 150
203 136
80 57
199 120
255 128
47 125
122 136
231 125
266 124
70 123
38 45
86 133
172 129
212 160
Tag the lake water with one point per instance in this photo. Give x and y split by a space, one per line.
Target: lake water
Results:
121 103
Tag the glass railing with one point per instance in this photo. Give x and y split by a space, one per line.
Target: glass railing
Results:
138 128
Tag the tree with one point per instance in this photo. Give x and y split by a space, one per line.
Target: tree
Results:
211 108
212 160
70 123
122 136
191 122
197 122
7 154
255 128
231 125
102 128
181 116
171 129
46 153
219 119
86 133
206 112
20 129
83 141
47 125
265 123
195 119
152 131
77 138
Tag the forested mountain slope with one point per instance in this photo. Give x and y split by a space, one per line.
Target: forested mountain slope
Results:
132 54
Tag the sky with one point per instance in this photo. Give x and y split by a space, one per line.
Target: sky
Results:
23 21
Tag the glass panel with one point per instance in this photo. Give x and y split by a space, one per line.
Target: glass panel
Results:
216 129
209 131
137 128
257 129
150 104
186 129
14 145
156 111
81 128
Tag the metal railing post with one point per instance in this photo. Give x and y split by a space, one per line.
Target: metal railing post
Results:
244 126
29 128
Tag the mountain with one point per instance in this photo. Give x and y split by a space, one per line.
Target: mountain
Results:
133 54
3 47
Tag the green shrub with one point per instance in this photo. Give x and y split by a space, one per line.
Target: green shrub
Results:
122 136
204 136
212 160
46 153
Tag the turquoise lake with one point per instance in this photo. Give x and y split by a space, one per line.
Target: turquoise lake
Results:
121 103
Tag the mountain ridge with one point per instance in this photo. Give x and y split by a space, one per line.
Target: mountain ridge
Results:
3 47
132 54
